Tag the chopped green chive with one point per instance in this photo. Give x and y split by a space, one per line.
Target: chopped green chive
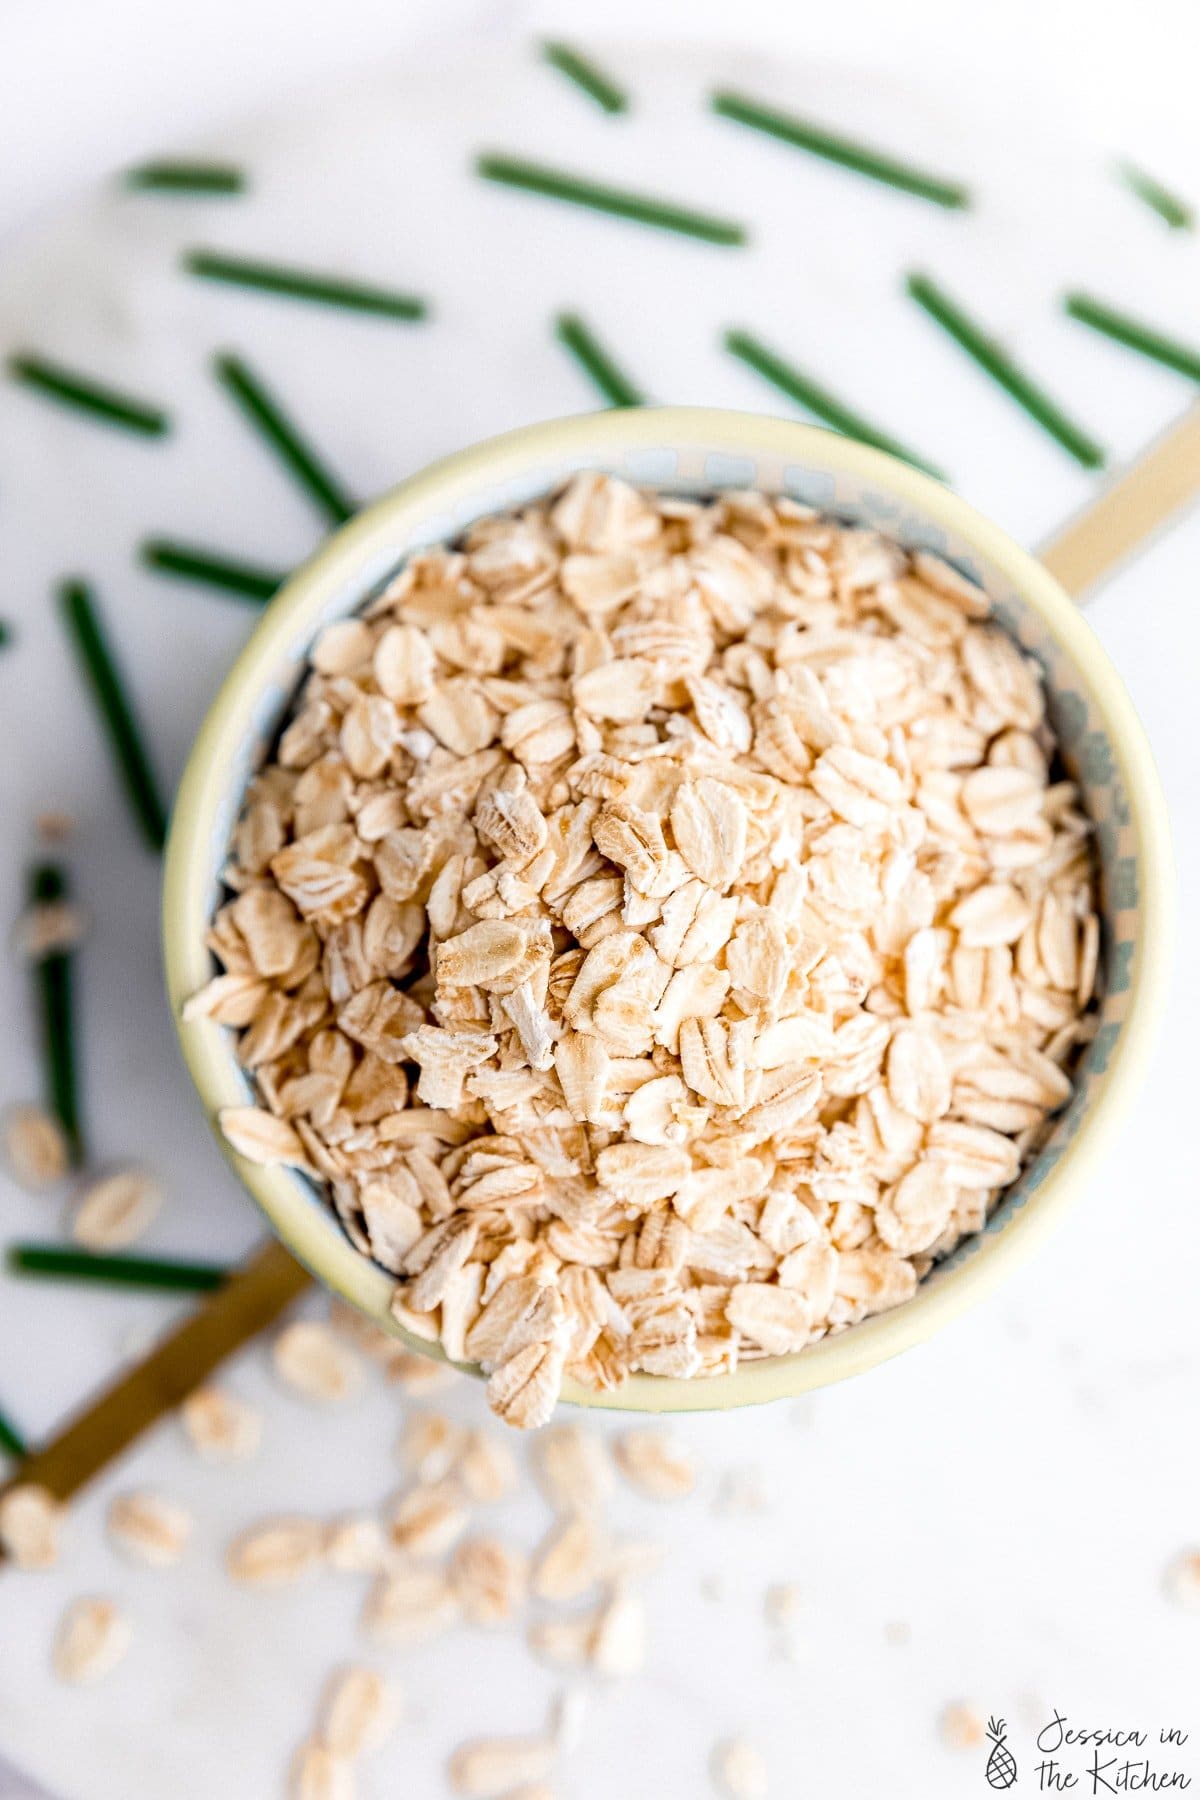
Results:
826 406
995 361
585 74
86 395
1170 208
5 634
302 284
11 1441
114 1271
116 711
1134 335
54 978
864 160
262 411
595 361
578 190
186 178
212 570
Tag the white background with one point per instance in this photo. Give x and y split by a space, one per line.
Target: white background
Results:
1012 1491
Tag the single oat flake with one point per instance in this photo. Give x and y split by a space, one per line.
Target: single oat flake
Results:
35 1149
655 1462
31 1525
1182 1580
487 1768
316 1364
149 1528
318 1774
116 1211
221 1427
665 930
276 1552
92 1638
739 1770
961 1726
359 1711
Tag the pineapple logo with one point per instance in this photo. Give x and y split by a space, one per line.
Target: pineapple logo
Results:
1001 1764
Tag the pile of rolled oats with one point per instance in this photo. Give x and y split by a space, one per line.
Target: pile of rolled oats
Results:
664 928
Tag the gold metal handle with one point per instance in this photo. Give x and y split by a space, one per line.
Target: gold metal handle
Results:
1131 510
250 1300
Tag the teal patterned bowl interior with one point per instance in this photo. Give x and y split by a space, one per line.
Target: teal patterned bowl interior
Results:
694 453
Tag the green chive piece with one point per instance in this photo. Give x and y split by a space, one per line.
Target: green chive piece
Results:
1169 207
574 335
302 284
11 1440
186 178
995 361
578 190
586 75
54 981
86 395
864 160
114 1271
1134 335
116 711
190 563
263 411
808 393
5 634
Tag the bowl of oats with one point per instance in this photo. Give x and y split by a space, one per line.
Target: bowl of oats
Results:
666 909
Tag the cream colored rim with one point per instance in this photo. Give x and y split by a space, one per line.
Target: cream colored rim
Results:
339 568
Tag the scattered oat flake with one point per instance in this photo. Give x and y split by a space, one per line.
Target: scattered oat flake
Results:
429 1519
488 1768
92 1637
961 1726
783 1603
486 1468
276 1552
655 1462
1182 1580
359 1711
49 928
570 1559
490 1579
430 1445
619 1641
317 1774
35 1149
739 1771
315 1363
54 827
149 1528
31 1521
409 1605
220 1426
356 1544
573 1468
116 1211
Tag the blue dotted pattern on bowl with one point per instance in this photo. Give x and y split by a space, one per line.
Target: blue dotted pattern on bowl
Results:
1087 752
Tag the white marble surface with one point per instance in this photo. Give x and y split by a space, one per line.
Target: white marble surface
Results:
1013 1490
